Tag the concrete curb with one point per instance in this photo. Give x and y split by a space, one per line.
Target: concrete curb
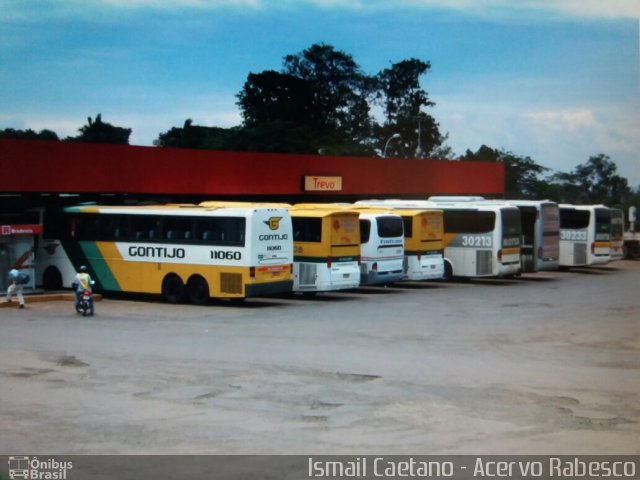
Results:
45 297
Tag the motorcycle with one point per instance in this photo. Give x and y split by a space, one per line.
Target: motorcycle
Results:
85 305
84 299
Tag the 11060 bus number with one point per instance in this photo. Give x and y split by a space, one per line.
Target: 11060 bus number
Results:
225 255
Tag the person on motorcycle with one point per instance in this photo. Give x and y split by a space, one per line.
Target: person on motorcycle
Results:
81 283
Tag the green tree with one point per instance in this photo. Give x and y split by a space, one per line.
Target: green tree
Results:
29 134
402 98
338 88
101 132
595 181
522 174
273 96
321 101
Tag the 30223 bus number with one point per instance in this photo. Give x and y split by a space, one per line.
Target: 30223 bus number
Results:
225 255
573 235
475 241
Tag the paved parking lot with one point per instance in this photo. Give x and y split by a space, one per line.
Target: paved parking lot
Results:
543 364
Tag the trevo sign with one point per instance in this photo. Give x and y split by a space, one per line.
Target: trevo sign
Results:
322 184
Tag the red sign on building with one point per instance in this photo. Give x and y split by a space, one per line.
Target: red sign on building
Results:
21 229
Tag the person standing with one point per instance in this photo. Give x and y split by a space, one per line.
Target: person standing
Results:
16 282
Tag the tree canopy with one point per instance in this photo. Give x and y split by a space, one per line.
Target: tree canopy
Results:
97 131
593 182
322 101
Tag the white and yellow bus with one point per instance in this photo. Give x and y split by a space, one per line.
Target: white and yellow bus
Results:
326 246
184 252
381 242
423 242
479 240
540 248
585 235
617 234
540 225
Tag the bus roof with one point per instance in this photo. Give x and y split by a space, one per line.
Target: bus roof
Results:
169 209
448 205
319 212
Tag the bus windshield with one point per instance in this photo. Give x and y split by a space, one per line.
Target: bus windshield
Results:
469 221
389 226
574 219
510 222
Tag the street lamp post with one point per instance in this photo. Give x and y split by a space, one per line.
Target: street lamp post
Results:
392 137
419 147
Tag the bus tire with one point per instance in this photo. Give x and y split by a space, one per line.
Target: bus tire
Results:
198 290
52 279
173 288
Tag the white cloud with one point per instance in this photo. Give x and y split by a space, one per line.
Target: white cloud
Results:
559 120
18 9
178 4
557 138
579 8
570 137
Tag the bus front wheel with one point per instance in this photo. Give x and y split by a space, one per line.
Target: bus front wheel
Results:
448 272
173 288
198 290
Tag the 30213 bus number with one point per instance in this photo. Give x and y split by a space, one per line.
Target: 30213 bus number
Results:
225 255
475 241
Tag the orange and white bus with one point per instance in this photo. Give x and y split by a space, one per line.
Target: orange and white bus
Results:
183 252
381 242
326 246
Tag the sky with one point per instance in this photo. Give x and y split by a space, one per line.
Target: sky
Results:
554 80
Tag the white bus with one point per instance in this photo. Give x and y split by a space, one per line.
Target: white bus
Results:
479 240
540 220
381 247
182 252
617 234
585 235
540 225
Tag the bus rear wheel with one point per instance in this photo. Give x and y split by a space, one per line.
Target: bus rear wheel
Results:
173 288
198 290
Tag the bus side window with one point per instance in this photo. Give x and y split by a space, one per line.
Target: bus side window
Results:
307 229
87 227
365 230
408 226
